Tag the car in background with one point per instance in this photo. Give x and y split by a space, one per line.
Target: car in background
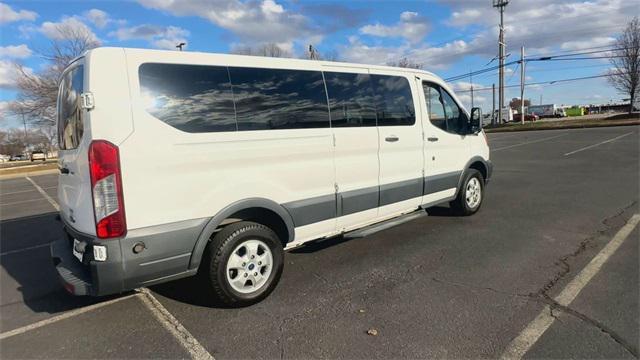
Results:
38 155
17 158
527 117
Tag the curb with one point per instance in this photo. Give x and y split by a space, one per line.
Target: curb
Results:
503 130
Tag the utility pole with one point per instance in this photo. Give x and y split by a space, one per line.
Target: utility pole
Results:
522 85
493 111
501 4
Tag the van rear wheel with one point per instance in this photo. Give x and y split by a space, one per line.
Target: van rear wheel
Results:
243 264
470 194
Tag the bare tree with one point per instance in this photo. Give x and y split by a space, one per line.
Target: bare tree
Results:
625 75
405 63
269 50
37 92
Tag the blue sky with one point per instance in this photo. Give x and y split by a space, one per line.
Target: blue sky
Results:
449 37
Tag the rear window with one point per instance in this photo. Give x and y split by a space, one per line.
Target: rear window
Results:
70 114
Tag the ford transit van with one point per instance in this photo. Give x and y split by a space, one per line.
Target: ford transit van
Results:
174 164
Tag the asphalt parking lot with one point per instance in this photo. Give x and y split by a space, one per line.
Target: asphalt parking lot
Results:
517 279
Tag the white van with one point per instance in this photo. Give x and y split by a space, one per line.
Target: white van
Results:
174 164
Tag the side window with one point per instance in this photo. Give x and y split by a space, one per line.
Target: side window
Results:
457 121
350 99
394 102
435 107
444 113
70 118
279 99
192 98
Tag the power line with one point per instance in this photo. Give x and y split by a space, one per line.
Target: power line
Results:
544 58
550 82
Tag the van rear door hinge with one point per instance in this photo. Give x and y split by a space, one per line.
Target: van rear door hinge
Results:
87 101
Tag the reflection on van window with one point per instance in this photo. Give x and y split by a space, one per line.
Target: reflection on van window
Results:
443 111
70 126
350 99
279 99
457 121
435 108
393 100
192 98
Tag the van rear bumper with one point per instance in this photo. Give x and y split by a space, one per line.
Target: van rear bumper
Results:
166 255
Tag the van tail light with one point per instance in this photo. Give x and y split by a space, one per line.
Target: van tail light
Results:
106 185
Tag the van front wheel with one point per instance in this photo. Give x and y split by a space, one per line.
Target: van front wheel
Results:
244 263
470 194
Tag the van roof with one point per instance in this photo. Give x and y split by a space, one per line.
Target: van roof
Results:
231 57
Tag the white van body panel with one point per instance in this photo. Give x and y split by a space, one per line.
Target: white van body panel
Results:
189 175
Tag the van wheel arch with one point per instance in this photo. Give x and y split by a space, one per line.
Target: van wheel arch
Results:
259 210
477 163
481 167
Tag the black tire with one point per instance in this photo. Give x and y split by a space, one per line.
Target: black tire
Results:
215 259
460 205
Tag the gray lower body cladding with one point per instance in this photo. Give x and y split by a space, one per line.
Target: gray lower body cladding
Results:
326 207
166 255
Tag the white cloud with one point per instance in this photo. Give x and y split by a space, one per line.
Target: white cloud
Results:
411 27
158 36
98 17
15 51
571 24
358 52
64 28
3 108
547 27
465 85
590 43
7 14
252 22
9 74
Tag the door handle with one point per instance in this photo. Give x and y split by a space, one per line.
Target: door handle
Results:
391 138
64 170
432 139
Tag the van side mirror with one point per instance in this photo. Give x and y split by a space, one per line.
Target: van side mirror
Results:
475 123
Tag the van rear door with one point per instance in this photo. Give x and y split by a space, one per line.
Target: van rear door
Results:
74 183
